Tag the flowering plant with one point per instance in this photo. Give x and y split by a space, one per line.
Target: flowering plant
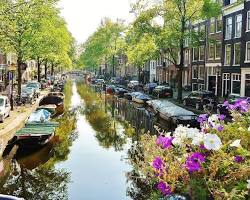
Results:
210 162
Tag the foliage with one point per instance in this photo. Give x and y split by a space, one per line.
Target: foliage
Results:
211 162
103 44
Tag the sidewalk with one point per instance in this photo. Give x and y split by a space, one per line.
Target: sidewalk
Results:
15 122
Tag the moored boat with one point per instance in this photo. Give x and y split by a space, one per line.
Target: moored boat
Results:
53 100
141 98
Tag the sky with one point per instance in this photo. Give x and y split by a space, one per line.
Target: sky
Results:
84 16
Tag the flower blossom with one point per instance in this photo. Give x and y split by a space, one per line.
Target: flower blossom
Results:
236 143
212 142
238 159
193 162
248 184
198 139
164 188
164 142
202 118
158 164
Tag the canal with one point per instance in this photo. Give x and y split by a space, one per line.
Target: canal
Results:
90 158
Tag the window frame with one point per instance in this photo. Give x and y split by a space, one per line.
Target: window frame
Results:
246 58
236 23
226 31
248 21
225 55
217 58
234 54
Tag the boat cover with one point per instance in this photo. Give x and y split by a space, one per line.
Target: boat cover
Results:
41 115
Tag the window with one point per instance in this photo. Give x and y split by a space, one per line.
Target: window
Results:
247 52
187 59
194 72
227 54
248 21
212 26
211 51
186 42
201 72
237 53
202 32
218 50
219 24
194 86
202 53
201 87
238 25
195 54
228 34
235 85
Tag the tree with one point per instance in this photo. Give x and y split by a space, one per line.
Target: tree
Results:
19 22
102 46
177 16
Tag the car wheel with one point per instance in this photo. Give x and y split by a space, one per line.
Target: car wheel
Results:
197 106
184 102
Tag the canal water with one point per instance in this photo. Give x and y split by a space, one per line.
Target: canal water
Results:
90 157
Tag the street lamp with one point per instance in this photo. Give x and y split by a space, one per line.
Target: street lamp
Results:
11 69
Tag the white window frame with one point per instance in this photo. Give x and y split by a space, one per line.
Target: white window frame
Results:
234 54
209 53
215 49
216 23
236 22
200 52
197 68
247 21
226 31
199 77
201 87
225 55
246 60
232 80
212 20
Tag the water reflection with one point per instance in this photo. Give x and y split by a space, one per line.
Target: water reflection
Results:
32 174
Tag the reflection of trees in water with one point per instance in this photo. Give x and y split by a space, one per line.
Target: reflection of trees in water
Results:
35 176
107 129
139 188
40 183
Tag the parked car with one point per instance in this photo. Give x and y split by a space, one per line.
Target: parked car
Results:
133 84
163 91
148 88
28 95
199 99
110 89
36 86
120 92
130 95
4 108
100 81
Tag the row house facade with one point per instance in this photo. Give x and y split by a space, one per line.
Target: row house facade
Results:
236 48
221 62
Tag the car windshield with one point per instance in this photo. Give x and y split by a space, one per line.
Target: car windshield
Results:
33 85
26 90
1 102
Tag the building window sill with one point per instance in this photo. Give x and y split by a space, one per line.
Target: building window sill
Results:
247 61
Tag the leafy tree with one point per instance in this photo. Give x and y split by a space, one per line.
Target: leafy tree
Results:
177 16
103 45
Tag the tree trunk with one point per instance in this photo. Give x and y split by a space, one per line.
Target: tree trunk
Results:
139 74
52 69
180 70
19 74
38 70
45 69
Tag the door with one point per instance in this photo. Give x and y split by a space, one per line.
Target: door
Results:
247 85
212 83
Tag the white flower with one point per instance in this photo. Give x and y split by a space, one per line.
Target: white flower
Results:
248 184
198 139
178 141
236 143
180 132
212 142
213 118
192 132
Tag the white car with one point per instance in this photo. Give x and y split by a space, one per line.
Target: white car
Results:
132 84
4 108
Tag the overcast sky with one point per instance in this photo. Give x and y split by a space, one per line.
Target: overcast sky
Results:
84 16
